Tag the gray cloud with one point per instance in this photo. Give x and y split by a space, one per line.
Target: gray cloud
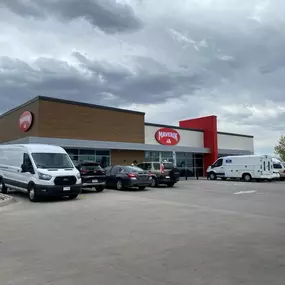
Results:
91 83
222 57
107 15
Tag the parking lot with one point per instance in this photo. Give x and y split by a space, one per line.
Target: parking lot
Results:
199 232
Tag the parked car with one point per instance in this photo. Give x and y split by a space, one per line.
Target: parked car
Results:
93 176
245 167
123 177
162 173
39 170
280 167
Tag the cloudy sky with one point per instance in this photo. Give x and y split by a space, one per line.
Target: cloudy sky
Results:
171 59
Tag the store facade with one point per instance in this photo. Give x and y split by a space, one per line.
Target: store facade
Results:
115 136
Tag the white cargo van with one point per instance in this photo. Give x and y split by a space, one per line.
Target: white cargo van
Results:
246 167
40 170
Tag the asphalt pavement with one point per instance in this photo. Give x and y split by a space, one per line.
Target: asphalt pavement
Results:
199 232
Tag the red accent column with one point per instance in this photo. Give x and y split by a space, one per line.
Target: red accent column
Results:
209 126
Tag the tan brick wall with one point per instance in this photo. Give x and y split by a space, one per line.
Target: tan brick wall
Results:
126 157
9 123
61 120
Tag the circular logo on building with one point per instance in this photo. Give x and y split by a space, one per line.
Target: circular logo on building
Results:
25 121
167 136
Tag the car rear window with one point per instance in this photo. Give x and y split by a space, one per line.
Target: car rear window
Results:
132 169
91 167
168 165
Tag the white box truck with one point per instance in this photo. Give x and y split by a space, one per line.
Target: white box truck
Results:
246 167
40 170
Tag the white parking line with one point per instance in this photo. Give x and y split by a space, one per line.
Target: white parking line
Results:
245 192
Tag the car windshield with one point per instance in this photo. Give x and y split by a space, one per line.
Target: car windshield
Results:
52 160
132 169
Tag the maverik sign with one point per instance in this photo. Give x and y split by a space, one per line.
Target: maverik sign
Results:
167 136
26 121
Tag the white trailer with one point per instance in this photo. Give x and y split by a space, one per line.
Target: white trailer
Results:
246 167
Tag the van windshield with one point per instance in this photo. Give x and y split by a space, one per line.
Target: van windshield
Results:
52 160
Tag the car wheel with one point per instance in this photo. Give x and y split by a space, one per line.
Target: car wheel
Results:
247 177
119 185
154 182
73 197
212 176
141 187
99 188
3 187
33 196
224 178
170 184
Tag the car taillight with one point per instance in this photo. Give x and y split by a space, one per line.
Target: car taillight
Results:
284 171
132 175
83 171
162 168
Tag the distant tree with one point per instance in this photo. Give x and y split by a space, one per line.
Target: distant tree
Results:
279 149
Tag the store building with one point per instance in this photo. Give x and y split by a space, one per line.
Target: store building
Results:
116 136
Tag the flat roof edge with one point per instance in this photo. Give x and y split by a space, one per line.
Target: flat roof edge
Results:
90 105
19 107
236 135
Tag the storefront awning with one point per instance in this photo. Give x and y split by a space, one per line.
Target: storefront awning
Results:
74 143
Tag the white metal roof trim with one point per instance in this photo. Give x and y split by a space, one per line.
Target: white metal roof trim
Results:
234 151
112 145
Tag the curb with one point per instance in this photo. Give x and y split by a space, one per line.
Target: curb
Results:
7 200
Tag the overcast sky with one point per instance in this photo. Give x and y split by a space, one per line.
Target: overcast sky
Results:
171 59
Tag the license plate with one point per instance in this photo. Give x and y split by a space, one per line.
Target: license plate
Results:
94 181
167 177
66 188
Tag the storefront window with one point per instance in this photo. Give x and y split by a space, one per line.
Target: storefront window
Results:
166 156
103 157
184 161
81 155
152 156
73 154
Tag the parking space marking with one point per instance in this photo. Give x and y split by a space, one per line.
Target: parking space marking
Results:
245 192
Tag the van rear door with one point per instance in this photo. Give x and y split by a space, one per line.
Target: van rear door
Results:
267 166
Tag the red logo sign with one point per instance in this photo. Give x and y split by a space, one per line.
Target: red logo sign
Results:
167 136
26 121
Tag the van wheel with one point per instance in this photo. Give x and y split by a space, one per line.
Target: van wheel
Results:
3 187
212 176
247 177
33 196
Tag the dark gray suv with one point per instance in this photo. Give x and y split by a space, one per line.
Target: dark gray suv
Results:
162 173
